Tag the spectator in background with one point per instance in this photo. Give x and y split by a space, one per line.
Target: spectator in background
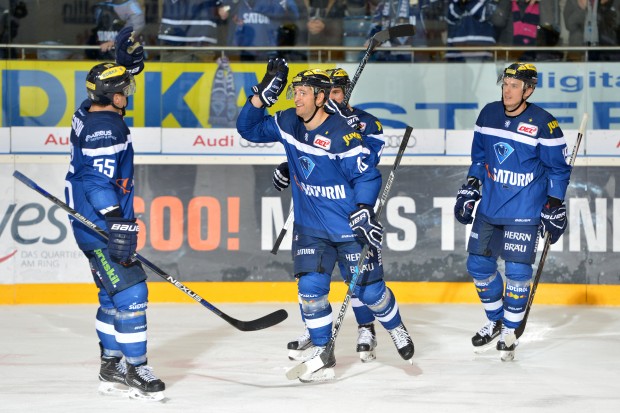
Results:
389 13
324 20
593 23
190 23
469 24
110 18
9 24
516 23
527 23
256 22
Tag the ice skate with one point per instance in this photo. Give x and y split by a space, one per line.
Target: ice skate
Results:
507 344
112 376
325 373
366 342
486 336
402 341
296 347
143 383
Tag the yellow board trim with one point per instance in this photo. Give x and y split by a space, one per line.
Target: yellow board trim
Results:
249 292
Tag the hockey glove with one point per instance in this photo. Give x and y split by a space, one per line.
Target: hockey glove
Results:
334 108
273 82
553 219
122 239
281 177
363 222
466 199
129 52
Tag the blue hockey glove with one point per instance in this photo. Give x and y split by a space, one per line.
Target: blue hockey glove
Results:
273 82
129 52
363 222
466 199
281 177
334 108
122 239
553 219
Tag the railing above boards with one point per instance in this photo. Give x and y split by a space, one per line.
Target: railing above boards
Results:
320 54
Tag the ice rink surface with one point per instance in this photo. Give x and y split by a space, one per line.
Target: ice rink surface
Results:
567 361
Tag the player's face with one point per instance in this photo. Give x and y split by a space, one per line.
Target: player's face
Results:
512 93
337 95
304 101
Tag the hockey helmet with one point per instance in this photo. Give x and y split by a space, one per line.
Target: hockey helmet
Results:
340 79
106 79
318 79
522 71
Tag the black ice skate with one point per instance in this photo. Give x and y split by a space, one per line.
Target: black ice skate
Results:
112 376
366 342
143 383
402 341
486 336
296 347
325 373
507 344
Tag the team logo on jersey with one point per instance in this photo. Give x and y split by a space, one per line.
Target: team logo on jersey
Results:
527 129
507 123
502 151
322 142
307 165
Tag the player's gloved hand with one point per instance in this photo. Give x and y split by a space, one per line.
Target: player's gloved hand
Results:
553 219
273 82
122 239
466 199
281 177
334 108
129 52
363 222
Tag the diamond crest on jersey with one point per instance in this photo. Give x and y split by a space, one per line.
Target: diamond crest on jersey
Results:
502 151
306 166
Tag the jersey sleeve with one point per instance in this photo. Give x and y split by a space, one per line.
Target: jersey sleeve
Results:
553 154
478 157
253 125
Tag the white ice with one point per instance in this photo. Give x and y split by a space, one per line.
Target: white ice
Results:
566 362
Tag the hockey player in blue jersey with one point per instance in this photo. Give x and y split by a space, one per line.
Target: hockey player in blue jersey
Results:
520 174
99 185
373 139
333 193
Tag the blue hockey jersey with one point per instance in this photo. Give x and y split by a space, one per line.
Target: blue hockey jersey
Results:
520 161
100 172
329 169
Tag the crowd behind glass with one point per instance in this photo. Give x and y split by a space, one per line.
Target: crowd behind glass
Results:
268 23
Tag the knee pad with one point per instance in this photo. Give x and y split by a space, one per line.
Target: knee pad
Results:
481 267
517 271
134 298
376 296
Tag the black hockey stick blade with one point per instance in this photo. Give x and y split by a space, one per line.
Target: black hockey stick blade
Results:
402 30
260 323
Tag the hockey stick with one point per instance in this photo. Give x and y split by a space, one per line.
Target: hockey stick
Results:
287 223
316 363
519 331
380 37
258 324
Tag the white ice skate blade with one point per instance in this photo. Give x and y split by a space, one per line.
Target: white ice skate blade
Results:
321 375
304 368
507 355
137 394
107 388
368 356
297 355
